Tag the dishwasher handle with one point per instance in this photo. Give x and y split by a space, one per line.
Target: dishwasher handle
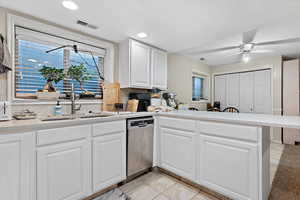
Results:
140 123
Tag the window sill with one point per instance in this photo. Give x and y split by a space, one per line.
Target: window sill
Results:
20 102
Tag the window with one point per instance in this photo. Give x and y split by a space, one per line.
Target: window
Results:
197 88
31 56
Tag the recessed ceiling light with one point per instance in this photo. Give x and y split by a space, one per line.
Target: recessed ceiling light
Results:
142 35
71 5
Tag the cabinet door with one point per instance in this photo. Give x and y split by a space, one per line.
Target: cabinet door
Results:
178 152
233 90
262 92
246 92
229 167
17 166
63 171
109 160
159 69
220 90
140 65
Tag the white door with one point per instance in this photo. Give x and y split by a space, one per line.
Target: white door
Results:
109 160
220 90
159 69
140 65
262 92
246 92
63 171
233 90
178 152
229 167
17 166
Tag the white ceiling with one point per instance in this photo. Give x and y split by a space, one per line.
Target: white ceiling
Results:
176 25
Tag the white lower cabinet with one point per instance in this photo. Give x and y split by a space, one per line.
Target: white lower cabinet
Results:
63 171
109 160
178 152
17 166
229 167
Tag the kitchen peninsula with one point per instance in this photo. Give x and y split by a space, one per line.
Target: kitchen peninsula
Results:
225 152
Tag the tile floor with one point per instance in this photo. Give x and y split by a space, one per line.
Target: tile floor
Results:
158 186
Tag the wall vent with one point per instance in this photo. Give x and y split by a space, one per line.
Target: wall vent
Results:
83 23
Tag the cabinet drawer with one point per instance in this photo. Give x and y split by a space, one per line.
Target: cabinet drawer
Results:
109 127
182 124
51 136
229 130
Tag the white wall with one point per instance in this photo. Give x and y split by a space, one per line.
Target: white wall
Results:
180 69
275 63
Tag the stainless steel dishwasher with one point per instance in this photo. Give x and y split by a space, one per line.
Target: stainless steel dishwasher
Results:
139 145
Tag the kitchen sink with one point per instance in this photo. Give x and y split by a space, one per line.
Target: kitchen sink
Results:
57 118
96 115
71 117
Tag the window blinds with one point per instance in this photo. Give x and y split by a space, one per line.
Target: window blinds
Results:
31 56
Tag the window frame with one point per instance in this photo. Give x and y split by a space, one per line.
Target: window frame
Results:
206 86
15 20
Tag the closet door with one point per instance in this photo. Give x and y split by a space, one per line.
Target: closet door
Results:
262 92
233 90
220 90
246 92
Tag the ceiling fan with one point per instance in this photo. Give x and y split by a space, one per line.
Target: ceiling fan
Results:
248 46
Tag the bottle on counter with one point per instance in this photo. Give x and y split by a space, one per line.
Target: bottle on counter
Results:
57 109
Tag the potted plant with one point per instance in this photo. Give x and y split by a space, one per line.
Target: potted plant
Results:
50 74
80 74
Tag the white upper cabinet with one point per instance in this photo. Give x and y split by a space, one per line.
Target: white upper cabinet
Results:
159 69
17 166
142 66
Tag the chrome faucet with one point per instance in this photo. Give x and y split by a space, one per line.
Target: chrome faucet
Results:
73 101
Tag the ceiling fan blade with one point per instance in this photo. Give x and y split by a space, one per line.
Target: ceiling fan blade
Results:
249 36
286 41
261 51
215 50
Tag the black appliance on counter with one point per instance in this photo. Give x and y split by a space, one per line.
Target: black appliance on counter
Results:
144 100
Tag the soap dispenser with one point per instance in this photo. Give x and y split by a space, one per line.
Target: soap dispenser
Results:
57 109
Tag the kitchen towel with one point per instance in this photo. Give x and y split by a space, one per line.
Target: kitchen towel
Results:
5 58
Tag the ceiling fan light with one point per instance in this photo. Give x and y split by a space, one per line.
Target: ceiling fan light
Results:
246 58
248 47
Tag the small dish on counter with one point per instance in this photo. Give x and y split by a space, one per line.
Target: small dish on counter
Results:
25 115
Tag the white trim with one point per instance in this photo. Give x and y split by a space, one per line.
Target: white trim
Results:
12 20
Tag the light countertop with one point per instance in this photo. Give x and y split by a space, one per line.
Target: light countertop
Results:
240 118
233 118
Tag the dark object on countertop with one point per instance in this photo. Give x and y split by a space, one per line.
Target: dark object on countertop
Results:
193 109
231 109
5 58
217 104
144 100
119 107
